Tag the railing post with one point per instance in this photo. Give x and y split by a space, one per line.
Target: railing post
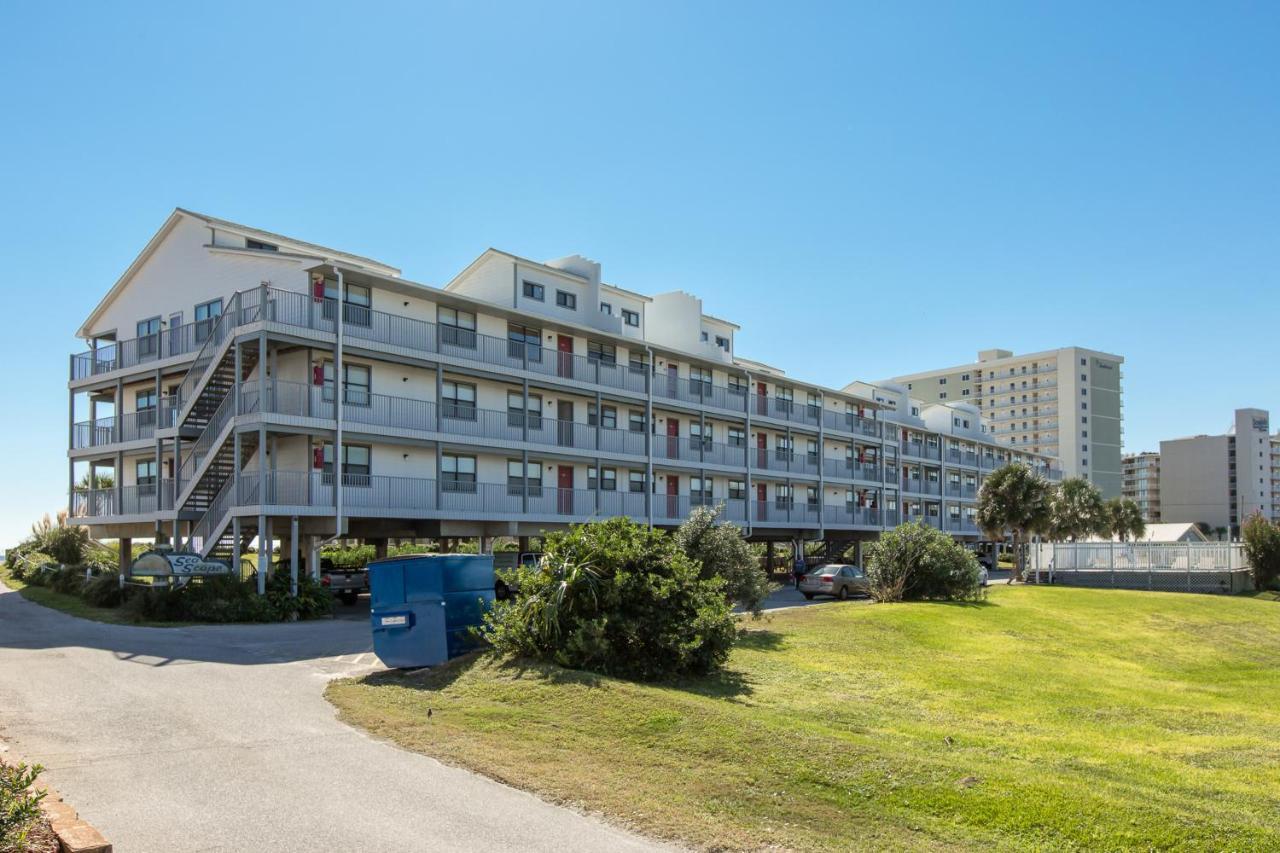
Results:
746 453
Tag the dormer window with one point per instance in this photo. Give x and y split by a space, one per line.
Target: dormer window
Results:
722 342
631 318
565 299
259 245
606 308
534 291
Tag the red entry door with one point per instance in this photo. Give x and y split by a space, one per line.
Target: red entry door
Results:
673 438
762 450
564 352
673 496
564 490
762 399
762 502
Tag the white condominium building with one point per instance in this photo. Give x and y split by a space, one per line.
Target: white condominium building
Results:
1064 403
1222 480
239 382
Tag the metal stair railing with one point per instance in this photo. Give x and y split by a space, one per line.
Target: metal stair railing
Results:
207 359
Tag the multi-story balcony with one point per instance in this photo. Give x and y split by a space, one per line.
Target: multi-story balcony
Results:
312 493
851 422
294 312
1008 373
920 449
122 501
851 469
129 427
145 351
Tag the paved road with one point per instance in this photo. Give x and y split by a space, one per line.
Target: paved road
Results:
218 738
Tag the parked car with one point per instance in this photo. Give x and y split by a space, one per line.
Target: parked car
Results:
837 579
505 561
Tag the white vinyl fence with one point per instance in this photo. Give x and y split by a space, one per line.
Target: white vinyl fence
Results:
1218 567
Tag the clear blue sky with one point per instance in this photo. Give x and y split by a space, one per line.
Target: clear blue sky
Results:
868 190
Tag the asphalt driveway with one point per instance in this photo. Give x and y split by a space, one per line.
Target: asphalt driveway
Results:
218 738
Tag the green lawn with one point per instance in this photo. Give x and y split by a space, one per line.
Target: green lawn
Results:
1047 718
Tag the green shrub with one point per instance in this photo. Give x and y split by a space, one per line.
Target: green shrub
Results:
722 552
37 569
618 598
916 561
19 804
68 580
228 599
356 557
1262 548
103 589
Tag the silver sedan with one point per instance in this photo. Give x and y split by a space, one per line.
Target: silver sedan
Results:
840 580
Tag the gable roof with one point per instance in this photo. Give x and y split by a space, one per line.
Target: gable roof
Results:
271 237
177 215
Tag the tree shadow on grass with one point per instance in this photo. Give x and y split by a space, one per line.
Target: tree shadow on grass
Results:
759 640
938 602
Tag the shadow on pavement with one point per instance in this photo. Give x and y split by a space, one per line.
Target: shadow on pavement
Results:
27 625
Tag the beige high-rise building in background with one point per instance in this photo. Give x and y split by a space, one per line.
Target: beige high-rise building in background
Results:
1063 402
1142 483
1221 480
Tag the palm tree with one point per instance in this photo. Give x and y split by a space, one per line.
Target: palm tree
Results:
1124 519
103 479
1016 500
1076 510
1220 532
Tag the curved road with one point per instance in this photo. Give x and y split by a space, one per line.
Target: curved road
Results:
218 738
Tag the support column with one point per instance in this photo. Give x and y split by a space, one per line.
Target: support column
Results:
118 427
235 547
313 557
119 507
293 556
155 414
264 553
380 548
523 544
177 486
648 438
126 559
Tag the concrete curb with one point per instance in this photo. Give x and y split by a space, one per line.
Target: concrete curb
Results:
74 834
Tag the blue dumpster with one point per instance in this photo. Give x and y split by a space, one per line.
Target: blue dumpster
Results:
422 606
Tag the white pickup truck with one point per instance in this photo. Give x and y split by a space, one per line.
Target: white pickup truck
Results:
506 560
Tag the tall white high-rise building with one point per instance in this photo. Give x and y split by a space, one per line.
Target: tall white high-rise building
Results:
1063 402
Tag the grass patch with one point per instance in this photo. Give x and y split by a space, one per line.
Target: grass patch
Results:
74 605
1047 718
